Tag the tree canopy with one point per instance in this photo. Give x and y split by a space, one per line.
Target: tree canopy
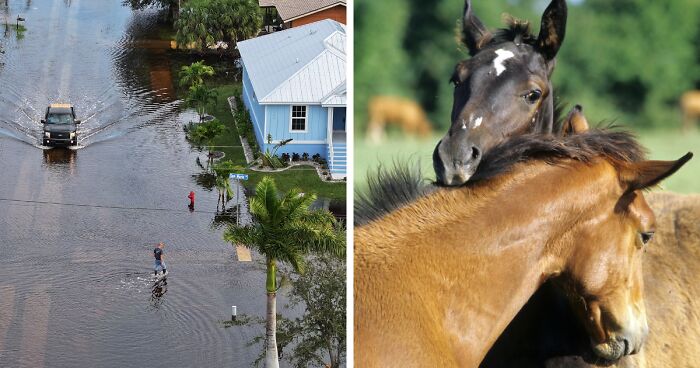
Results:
320 332
626 60
208 24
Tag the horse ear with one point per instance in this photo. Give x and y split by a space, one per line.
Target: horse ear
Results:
552 29
575 122
474 34
646 174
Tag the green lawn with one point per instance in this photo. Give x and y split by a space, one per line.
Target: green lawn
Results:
303 177
663 145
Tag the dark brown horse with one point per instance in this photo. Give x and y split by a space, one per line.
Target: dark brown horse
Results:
504 89
429 293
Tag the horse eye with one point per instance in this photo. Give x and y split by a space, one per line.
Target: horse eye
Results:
533 96
646 236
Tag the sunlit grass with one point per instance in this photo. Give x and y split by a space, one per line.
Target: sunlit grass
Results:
663 145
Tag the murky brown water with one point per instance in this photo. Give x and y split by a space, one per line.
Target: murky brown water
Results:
75 285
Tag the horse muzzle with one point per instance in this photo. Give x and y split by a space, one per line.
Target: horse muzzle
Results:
616 348
454 167
627 341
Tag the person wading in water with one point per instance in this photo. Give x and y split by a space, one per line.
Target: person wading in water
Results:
159 255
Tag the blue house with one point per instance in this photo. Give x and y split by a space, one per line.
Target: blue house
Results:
294 86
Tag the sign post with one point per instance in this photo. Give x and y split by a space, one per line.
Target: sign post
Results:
237 178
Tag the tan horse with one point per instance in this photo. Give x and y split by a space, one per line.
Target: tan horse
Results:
672 294
690 106
439 278
405 113
671 290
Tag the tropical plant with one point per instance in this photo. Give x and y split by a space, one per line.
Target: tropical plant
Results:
284 230
210 24
320 332
269 157
193 74
200 98
204 134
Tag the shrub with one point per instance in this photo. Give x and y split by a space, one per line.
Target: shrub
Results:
285 157
295 156
316 157
305 156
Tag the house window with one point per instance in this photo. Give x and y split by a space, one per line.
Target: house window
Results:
299 118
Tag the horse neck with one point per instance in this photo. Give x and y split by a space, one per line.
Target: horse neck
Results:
475 256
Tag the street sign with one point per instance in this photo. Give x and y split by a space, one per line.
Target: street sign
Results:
238 176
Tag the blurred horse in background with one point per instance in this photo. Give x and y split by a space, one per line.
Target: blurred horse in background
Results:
402 112
690 106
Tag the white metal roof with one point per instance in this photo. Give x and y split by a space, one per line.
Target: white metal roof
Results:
338 97
302 65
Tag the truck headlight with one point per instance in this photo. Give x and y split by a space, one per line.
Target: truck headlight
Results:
47 134
72 135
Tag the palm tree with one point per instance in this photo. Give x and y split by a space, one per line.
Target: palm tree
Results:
284 231
200 97
204 134
193 75
202 25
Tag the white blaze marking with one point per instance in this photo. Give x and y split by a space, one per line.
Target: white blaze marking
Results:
464 125
477 122
501 56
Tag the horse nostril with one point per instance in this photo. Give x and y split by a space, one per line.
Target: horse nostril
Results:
627 347
475 153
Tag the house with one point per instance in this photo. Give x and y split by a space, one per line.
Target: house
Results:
295 13
294 86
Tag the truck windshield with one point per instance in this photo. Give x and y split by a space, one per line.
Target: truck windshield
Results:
59 119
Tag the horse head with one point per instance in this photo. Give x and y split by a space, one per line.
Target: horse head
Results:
504 89
603 276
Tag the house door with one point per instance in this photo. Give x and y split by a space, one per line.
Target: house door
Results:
339 119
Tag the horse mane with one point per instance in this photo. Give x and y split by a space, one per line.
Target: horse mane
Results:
559 113
515 30
389 190
616 146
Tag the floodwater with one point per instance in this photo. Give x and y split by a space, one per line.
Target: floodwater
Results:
77 227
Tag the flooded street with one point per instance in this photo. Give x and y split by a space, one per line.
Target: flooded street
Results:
77 227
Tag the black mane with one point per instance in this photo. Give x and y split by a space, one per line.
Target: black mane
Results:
390 190
516 30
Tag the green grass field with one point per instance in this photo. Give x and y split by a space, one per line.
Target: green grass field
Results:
662 145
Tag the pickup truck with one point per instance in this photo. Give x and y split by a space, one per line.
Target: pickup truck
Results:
60 126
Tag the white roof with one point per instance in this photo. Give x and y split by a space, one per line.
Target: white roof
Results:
304 65
338 97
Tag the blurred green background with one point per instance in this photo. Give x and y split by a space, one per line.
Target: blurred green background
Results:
626 61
